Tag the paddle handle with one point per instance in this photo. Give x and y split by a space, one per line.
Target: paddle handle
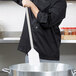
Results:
29 28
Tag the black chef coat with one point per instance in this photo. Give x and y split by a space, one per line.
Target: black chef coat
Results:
45 28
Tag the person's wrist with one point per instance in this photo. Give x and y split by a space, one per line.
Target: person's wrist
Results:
31 4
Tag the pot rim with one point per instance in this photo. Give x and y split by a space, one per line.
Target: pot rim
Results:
27 64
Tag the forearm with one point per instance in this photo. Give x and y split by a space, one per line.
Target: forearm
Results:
34 9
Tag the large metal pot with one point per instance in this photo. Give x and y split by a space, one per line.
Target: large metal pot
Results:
44 69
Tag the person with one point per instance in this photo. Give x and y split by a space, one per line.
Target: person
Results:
45 18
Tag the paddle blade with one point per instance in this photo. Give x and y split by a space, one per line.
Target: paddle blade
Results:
33 57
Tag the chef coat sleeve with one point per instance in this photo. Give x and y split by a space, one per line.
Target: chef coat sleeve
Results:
18 2
56 14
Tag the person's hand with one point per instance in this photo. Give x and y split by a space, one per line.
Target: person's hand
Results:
26 3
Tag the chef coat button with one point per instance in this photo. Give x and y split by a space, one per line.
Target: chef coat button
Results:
36 27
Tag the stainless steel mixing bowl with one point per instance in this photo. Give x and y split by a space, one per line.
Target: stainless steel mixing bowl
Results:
44 69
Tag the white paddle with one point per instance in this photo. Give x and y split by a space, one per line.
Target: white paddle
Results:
33 55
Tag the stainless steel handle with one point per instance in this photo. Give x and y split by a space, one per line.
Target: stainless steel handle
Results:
6 70
74 72
29 28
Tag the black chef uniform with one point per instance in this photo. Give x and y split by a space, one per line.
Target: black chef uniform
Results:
45 28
